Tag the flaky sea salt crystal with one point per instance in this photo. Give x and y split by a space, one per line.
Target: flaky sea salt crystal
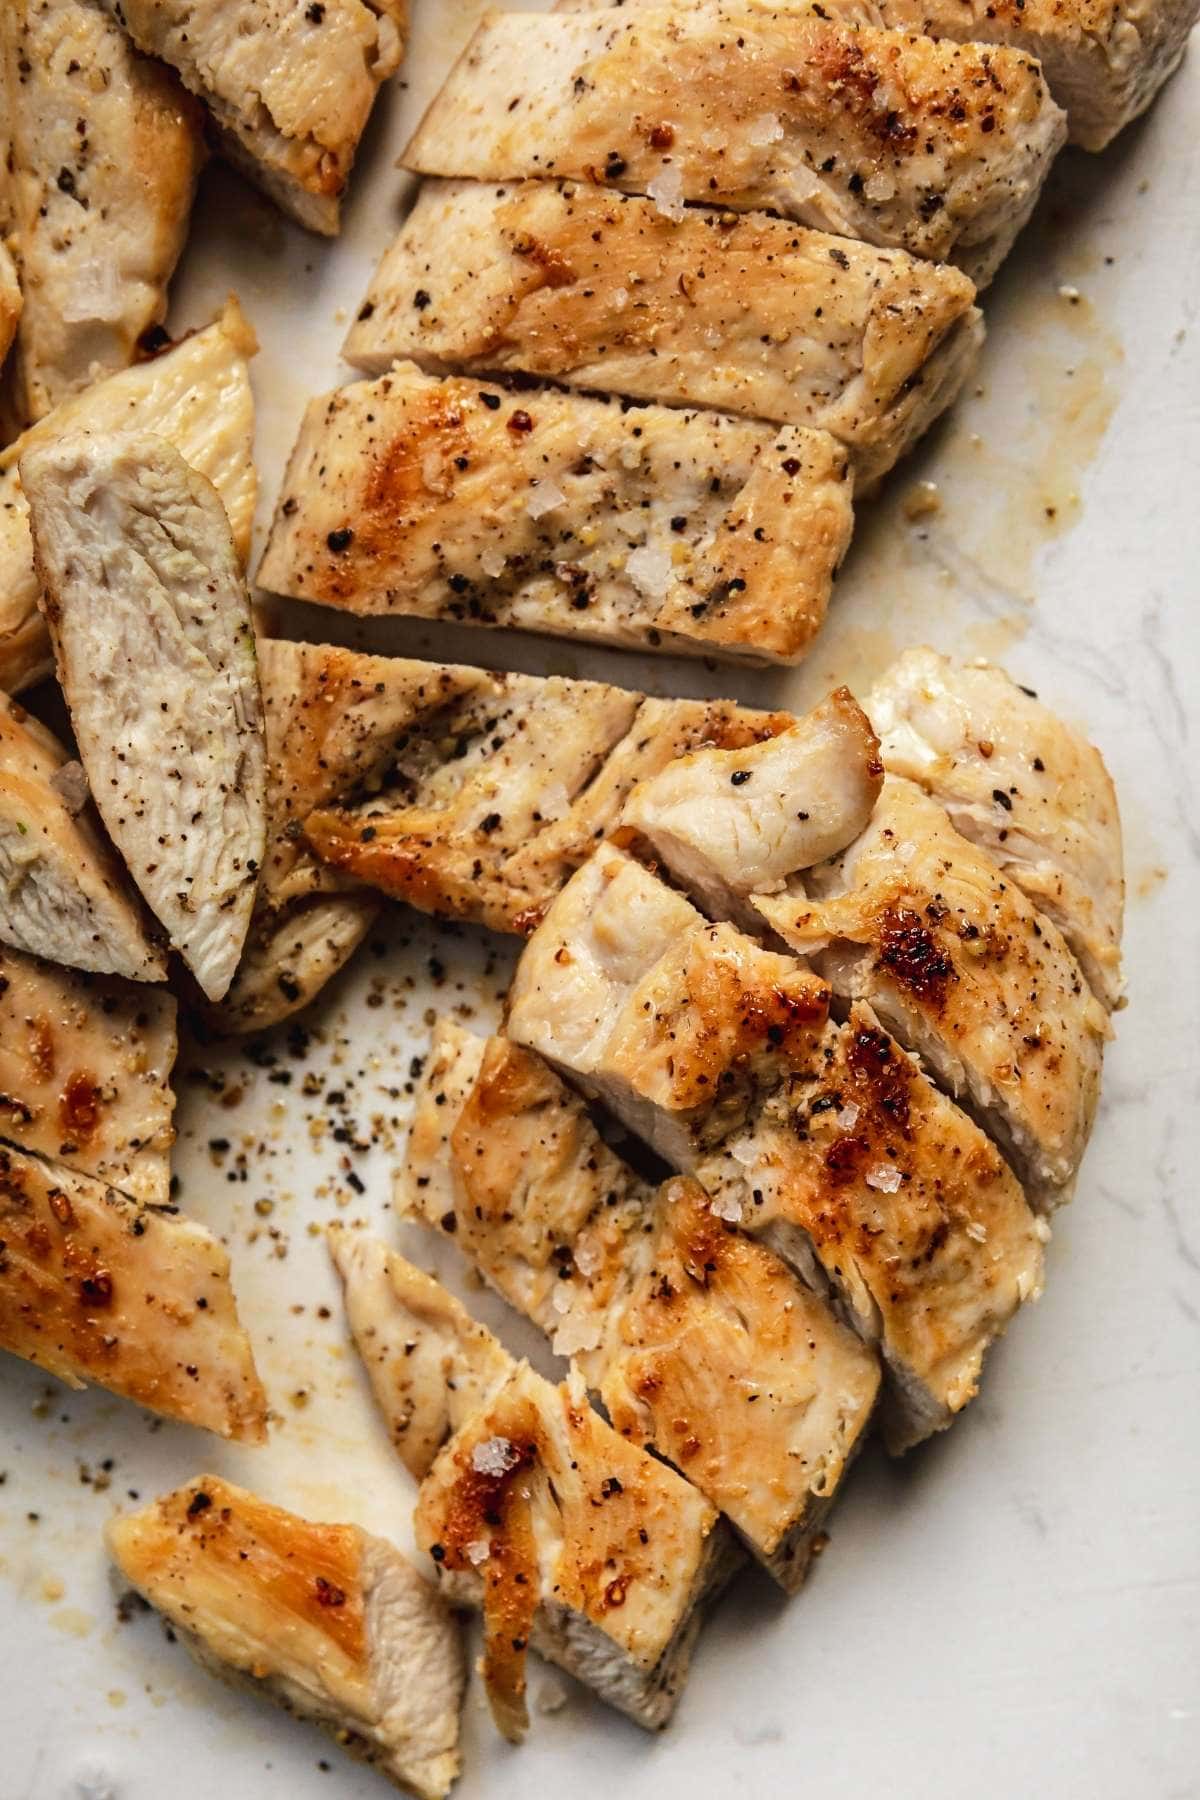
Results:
727 1207
879 186
764 130
977 1231
649 569
478 1551
884 1176
578 1331
588 1256
666 191
847 1119
493 562
494 1456
543 499
620 298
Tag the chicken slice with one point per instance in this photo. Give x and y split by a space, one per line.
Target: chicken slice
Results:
10 301
331 1623
598 290
66 897
1023 785
681 1324
106 150
150 619
715 1051
197 394
96 1288
290 86
290 956
85 1073
745 106
731 823
553 512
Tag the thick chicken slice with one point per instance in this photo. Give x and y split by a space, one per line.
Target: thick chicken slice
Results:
716 1052
95 1288
568 1538
745 314
963 969
745 106
106 149
702 1344
150 619
331 1623
197 394
558 513
732 823
290 86
66 897
85 1073
1022 784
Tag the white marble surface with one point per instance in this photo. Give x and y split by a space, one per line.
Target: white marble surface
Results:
1015 1610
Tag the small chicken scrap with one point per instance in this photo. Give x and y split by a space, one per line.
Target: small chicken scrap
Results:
607 292
572 1541
745 105
105 152
150 620
290 87
702 1344
331 1623
10 297
549 511
196 394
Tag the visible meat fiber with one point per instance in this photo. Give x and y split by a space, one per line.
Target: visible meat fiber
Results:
602 291
744 105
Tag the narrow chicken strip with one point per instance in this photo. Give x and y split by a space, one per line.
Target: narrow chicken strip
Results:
66 897
826 1140
329 1622
551 512
95 1288
1021 783
746 106
290 86
85 1073
197 394
963 969
570 1540
150 619
732 823
106 150
745 314
702 1344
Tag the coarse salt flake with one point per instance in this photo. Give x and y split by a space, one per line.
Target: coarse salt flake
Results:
764 130
588 1256
977 1231
649 569
494 1456
543 499
493 562
847 1119
884 1176
727 1207
879 186
666 191
578 1331
478 1551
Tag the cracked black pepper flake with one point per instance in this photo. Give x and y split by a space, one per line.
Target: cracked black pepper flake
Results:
491 401
341 539
740 777
422 298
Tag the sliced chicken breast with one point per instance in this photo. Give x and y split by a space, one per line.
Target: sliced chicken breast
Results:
1022 784
731 823
85 1073
197 394
290 956
106 151
290 86
66 897
744 105
331 1623
95 1288
745 314
963 969
150 618
552 512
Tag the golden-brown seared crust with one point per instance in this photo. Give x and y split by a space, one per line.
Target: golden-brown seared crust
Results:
10 295
95 1288
554 512
606 292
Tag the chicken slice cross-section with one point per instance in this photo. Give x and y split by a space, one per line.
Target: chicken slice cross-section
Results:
95 1288
10 299
742 313
150 618
328 1621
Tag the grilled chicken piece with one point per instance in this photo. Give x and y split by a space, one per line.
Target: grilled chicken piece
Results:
825 1139
289 957
959 965
150 619
65 896
106 151
601 291
332 1623
745 106
290 87
731 823
85 1073
96 1288
552 512
10 301
568 1538
1023 785
196 394
682 1324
